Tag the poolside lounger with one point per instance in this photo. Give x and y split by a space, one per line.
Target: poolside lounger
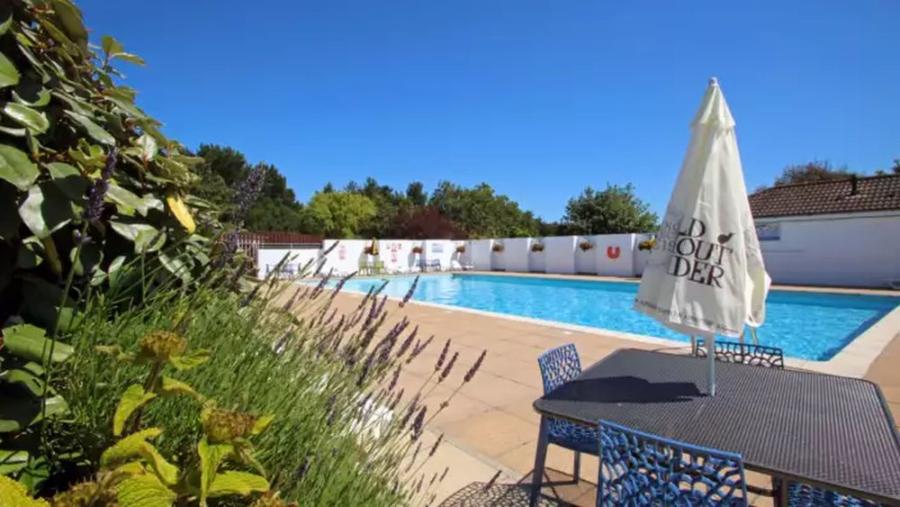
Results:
638 468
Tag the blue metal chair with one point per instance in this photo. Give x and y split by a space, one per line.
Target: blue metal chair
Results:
804 495
742 353
558 366
638 468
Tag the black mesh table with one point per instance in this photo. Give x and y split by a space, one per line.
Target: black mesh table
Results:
828 431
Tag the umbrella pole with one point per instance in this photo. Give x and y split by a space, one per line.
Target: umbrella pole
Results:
711 361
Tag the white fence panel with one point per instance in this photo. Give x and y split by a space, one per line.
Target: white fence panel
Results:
615 254
297 258
559 254
479 252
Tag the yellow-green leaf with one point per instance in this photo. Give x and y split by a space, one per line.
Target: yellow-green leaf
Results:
181 212
261 424
33 120
144 491
211 456
132 399
14 494
9 75
4 27
135 446
15 166
172 386
237 483
190 359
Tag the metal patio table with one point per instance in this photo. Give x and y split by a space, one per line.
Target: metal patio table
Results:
828 431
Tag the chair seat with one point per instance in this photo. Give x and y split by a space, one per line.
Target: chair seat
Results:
573 436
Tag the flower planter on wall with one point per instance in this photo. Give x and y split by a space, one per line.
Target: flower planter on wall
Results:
586 259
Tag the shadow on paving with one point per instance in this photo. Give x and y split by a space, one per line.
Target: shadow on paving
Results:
559 490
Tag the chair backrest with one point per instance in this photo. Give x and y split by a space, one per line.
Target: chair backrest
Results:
558 366
743 353
638 468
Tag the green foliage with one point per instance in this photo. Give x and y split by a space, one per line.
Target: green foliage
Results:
611 211
340 214
222 172
481 213
322 374
812 172
63 112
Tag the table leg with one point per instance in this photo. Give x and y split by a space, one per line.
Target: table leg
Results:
540 456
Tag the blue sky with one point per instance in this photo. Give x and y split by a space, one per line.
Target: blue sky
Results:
538 98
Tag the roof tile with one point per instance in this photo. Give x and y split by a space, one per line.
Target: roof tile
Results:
873 193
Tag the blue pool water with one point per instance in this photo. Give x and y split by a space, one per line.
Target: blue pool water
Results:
806 325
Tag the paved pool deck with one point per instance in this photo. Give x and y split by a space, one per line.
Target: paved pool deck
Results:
490 426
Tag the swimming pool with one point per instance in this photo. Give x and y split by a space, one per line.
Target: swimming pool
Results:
806 325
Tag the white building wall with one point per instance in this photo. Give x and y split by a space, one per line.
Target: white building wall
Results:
559 254
854 250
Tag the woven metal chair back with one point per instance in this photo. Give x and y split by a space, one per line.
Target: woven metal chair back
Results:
804 495
558 366
743 353
638 468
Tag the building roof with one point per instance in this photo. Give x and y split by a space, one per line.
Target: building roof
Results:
852 195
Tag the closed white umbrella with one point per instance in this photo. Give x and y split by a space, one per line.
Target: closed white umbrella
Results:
705 275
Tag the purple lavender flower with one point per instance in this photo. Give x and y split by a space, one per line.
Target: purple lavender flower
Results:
97 193
397 399
413 405
247 193
443 356
418 423
437 443
491 482
409 293
475 367
449 367
407 342
393 383
340 284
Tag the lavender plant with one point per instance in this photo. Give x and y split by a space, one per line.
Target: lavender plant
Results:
348 424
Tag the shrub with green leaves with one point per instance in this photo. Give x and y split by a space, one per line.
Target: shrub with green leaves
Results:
70 131
343 431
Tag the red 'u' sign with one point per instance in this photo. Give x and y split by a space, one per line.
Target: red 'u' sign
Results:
613 252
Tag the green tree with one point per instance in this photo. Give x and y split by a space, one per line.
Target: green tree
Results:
481 212
611 211
416 194
224 168
812 172
339 214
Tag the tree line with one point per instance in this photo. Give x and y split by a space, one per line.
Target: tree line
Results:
370 209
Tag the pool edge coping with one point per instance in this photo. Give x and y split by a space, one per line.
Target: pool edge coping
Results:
853 360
